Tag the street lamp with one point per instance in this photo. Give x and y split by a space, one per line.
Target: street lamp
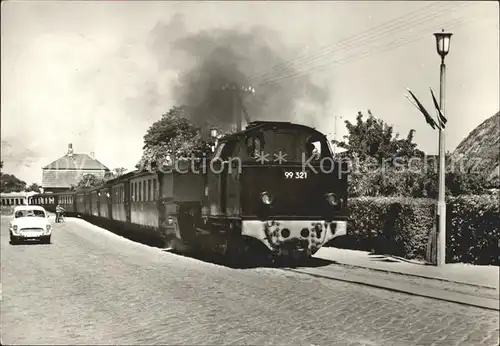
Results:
443 43
213 132
443 47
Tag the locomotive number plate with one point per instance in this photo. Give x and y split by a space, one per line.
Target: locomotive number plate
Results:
296 175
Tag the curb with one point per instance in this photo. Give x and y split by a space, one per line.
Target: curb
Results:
400 272
428 292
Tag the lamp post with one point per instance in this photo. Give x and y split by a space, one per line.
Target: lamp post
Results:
442 46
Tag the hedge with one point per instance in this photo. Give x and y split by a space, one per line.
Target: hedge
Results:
401 226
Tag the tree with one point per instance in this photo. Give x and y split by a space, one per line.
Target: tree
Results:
373 149
33 187
373 138
119 171
89 181
10 183
172 137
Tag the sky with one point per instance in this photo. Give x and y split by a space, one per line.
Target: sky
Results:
97 74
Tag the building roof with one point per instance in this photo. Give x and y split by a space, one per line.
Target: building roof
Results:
66 178
77 162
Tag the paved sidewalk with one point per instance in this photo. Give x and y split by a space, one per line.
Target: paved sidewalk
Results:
483 276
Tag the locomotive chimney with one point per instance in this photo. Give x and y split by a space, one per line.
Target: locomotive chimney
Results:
70 149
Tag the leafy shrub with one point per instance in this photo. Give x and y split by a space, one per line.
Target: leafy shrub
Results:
389 225
415 182
473 230
401 226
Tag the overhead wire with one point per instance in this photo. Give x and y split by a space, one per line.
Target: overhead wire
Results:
355 37
359 42
387 46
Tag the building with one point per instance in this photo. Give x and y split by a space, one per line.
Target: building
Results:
69 170
15 198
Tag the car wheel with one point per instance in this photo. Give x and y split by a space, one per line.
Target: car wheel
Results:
14 240
46 240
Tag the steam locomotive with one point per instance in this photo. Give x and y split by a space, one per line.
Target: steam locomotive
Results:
272 189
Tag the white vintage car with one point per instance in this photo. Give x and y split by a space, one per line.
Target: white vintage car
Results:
30 222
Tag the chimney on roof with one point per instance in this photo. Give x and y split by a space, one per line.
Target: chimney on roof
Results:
92 155
70 149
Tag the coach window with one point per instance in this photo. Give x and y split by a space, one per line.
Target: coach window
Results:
154 190
146 190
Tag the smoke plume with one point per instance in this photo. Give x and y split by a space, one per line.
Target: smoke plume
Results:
208 60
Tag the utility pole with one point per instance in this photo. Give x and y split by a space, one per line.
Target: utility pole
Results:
236 103
235 100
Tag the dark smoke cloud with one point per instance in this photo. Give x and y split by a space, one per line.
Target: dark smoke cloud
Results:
209 59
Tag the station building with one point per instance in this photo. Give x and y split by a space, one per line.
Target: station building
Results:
69 170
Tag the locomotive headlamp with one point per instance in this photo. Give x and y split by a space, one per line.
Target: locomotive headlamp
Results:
266 198
332 199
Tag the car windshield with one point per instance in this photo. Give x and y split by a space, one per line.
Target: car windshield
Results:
29 213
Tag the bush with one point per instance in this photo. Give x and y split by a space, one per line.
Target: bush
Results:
389 225
401 227
414 182
473 229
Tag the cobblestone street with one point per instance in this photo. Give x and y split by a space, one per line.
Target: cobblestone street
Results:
93 287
